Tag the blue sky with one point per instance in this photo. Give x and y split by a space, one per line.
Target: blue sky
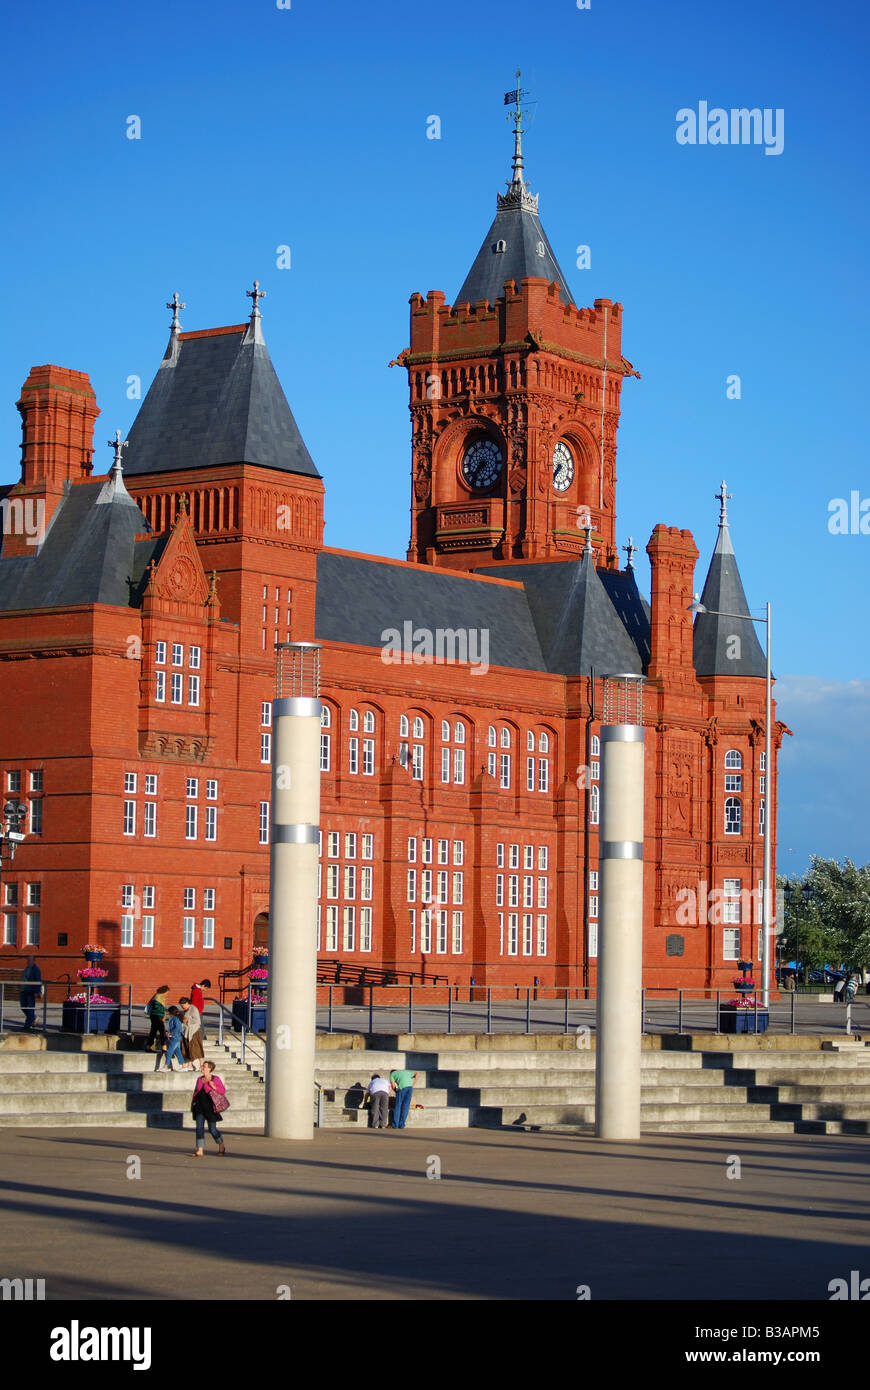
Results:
306 126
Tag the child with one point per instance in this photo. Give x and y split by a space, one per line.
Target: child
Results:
172 1048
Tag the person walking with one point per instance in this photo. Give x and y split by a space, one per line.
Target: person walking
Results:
156 1011
378 1095
30 992
172 1047
207 1090
197 999
402 1083
191 1024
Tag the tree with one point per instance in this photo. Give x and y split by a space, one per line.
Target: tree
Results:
806 936
841 903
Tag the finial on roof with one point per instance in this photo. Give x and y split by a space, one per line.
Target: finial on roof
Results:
118 444
587 549
629 550
256 294
518 195
212 585
175 304
722 497
182 503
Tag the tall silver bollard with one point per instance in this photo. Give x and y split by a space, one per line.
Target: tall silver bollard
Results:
619 1009
293 893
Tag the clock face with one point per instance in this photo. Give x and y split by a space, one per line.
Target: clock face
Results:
482 464
563 467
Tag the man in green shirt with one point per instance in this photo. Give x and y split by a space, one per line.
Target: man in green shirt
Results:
402 1083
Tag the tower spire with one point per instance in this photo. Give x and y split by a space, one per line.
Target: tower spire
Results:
723 497
518 194
175 304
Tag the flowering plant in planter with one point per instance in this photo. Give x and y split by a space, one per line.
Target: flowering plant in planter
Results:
746 1001
95 999
743 982
260 951
258 997
92 972
258 975
90 950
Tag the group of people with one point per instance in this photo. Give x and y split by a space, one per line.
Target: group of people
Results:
377 1097
177 1029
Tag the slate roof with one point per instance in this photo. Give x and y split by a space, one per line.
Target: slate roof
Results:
586 619
713 636
216 399
358 599
521 231
88 555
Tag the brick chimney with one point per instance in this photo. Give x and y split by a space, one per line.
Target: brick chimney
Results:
672 555
58 410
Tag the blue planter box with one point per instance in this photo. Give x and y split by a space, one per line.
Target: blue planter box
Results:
94 957
257 1021
743 1021
102 1017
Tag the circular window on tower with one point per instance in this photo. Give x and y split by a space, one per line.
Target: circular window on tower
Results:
563 467
482 464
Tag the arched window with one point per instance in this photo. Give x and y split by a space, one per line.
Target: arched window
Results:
491 736
593 805
325 717
544 743
733 758
595 746
459 733
368 722
761 817
418 727
733 816
353 720
505 738
325 739
403 726
445 730
501 245
530 741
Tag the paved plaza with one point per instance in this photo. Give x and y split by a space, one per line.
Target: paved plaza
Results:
357 1216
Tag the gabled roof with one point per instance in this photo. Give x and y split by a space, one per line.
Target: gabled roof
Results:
216 399
88 555
586 619
715 650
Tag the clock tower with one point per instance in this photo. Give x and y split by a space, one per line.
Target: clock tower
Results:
514 399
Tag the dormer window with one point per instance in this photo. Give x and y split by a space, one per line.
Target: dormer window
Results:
501 246
539 249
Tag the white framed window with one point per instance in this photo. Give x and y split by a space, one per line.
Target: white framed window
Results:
733 782
528 891
160 654
333 842
365 929
499 890
459 851
528 856
593 940
332 929
365 883
148 896
32 929
443 851
457 934
266 714
426 932
36 780
36 817
595 770
350 845
208 933
193 690
491 764
348 925
150 784
544 742
128 894
10 894
324 752
733 816
530 742
264 822
368 722
208 900
332 880
353 755
761 785
595 746
458 885
418 727
403 755
211 789
513 890
593 805
731 943
445 730
733 759
513 934
542 935
417 762
188 934
148 931
211 822
442 886
760 816
593 880
368 846
126 929
514 857
542 892
441 946
543 858
350 881
491 737
501 933
13 781
189 899
593 905
445 764
530 774
129 818
459 766
505 738
412 850
177 654
325 717
528 925
459 732
368 757
265 747
426 886
505 770
190 819
499 856
762 761
543 775
177 688
353 719
10 929
160 692
129 782
149 824
731 899
427 851
403 726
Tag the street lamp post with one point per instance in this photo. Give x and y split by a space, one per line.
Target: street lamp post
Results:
696 607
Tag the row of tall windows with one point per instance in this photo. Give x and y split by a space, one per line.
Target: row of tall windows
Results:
34 780
277 608
734 789
345 890
29 897
140 806
197 926
184 673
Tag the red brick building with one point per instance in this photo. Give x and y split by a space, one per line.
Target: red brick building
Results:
462 689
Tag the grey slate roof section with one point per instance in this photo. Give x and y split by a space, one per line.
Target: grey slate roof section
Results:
713 636
215 400
88 554
358 599
521 230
